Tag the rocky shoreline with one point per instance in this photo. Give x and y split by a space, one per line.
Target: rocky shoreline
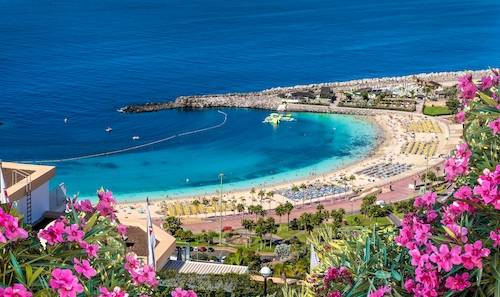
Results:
270 99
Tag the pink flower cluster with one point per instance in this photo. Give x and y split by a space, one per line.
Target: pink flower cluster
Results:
117 292
459 164
487 187
467 88
380 292
58 232
17 290
106 204
178 292
65 283
430 260
10 229
495 126
337 274
84 268
140 274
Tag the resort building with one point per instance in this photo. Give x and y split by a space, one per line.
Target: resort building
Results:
137 240
27 186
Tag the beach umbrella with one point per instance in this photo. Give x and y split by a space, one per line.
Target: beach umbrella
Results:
151 238
3 188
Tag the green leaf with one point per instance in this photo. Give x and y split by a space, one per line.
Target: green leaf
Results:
487 99
396 275
35 275
17 268
367 249
90 223
381 274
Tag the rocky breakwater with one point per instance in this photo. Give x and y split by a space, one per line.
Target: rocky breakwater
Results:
240 100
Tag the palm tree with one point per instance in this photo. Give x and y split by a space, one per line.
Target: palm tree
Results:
288 209
240 207
261 195
280 210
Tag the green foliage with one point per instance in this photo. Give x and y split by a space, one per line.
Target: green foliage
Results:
172 224
244 256
367 203
370 255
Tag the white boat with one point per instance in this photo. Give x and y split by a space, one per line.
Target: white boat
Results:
109 129
136 138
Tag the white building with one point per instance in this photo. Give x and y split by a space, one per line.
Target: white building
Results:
28 186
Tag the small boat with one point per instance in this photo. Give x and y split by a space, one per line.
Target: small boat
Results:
109 129
136 138
65 120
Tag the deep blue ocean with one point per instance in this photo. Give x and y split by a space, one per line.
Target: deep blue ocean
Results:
84 59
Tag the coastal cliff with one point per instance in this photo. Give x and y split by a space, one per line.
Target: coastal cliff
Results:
272 98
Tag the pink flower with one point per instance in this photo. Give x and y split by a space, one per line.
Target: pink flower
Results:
417 258
11 229
74 233
488 82
17 290
83 268
462 151
380 292
409 285
117 292
455 167
445 259
487 188
66 284
495 236
426 201
458 283
84 206
90 249
467 88
122 230
131 263
495 126
334 294
183 293
473 253
53 234
460 117
106 203
459 232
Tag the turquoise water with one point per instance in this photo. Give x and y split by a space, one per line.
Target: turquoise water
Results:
248 152
84 59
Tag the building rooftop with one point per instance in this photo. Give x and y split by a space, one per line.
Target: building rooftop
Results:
19 177
204 267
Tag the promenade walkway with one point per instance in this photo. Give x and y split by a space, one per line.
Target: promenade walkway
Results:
400 191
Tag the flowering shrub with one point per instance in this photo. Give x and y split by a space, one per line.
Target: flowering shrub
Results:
453 242
82 253
449 244
356 262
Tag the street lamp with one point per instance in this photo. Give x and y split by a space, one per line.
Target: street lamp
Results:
221 176
265 272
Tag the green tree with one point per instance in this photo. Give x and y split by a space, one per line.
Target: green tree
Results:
367 202
453 105
288 207
256 210
280 211
248 224
240 207
172 224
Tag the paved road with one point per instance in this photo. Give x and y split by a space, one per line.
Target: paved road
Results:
400 191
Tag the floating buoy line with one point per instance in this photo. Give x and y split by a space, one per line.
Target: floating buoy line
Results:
135 147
